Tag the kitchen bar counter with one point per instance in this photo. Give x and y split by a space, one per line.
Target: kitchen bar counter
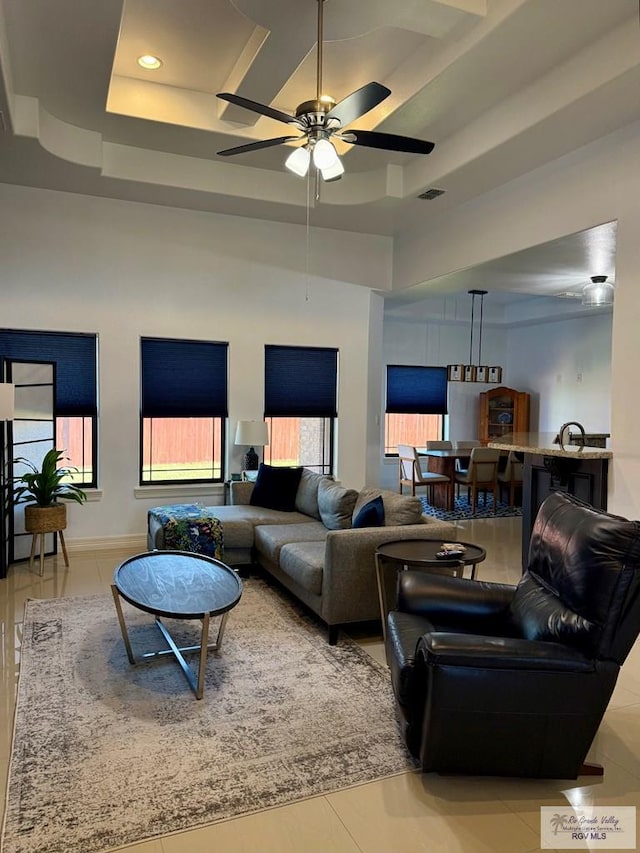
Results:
542 442
548 468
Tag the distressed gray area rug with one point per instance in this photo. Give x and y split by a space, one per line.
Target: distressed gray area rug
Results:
106 754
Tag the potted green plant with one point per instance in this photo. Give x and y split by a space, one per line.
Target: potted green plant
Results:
42 490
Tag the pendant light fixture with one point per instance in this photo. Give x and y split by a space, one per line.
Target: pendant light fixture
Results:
475 371
598 292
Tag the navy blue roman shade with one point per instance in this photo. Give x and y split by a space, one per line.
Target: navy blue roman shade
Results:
75 358
413 390
183 379
300 382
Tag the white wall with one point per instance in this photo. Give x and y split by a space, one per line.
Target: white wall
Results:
123 270
598 183
566 367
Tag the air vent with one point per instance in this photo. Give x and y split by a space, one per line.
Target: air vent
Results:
568 294
431 194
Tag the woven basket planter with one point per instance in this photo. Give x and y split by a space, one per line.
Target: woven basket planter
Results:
45 519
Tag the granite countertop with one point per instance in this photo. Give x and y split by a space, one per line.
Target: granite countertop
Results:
542 443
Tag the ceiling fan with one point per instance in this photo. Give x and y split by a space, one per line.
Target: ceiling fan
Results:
322 120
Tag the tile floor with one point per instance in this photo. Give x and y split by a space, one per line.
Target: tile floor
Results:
405 814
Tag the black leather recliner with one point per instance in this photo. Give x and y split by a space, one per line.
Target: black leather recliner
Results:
496 679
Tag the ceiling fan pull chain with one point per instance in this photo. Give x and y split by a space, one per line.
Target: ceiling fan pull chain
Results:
308 236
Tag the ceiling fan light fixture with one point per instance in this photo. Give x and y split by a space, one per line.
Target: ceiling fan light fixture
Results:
598 292
332 173
298 161
325 155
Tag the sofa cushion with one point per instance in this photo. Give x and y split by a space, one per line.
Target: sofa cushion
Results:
276 487
398 509
307 494
271 538
304 563
370 514
336 505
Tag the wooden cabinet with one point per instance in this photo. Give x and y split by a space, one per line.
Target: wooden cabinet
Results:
502 411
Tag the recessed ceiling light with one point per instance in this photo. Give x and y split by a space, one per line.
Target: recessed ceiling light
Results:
149 62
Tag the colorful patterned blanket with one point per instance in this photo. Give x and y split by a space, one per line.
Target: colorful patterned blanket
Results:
190 527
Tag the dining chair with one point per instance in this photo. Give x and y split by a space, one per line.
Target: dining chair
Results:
461 464
412 475
439 445
467 445
512 475
481 475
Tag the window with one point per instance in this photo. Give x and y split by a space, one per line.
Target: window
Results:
416 403
300 405
75 401
183 411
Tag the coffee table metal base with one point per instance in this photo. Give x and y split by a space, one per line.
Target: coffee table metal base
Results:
196 684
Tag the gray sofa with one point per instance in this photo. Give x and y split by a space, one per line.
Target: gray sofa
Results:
314 550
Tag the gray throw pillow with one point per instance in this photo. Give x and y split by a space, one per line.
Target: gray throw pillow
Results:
307 494
398 509
336 505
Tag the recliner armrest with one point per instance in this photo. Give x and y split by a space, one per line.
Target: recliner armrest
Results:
480 652
444 599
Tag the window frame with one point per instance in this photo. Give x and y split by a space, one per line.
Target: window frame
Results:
302 382
415 390
323 467
76 386
183 399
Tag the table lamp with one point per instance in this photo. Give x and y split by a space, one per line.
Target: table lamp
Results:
251 434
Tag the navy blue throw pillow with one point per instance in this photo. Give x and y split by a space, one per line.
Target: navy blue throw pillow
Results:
276 487
371 514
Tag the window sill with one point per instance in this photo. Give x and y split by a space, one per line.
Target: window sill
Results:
170 490
93 495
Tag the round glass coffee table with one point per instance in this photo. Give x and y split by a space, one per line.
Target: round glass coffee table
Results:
177 585
402 554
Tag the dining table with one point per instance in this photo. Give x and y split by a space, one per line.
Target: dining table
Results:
444 462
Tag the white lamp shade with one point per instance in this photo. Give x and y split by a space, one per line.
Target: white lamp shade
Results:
333 173
7 398
298 162
324 154
252 433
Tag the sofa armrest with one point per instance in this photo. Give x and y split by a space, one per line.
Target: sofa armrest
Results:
349 585
452 601
240 492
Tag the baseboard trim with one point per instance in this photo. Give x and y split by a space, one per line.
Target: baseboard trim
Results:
135 542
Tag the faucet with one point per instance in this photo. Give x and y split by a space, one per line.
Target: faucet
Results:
560 438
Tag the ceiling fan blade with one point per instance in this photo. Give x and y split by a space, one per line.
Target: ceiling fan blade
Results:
389 141
256 146
358 103
255 107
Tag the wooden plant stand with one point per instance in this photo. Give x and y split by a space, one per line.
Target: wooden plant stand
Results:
40 520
